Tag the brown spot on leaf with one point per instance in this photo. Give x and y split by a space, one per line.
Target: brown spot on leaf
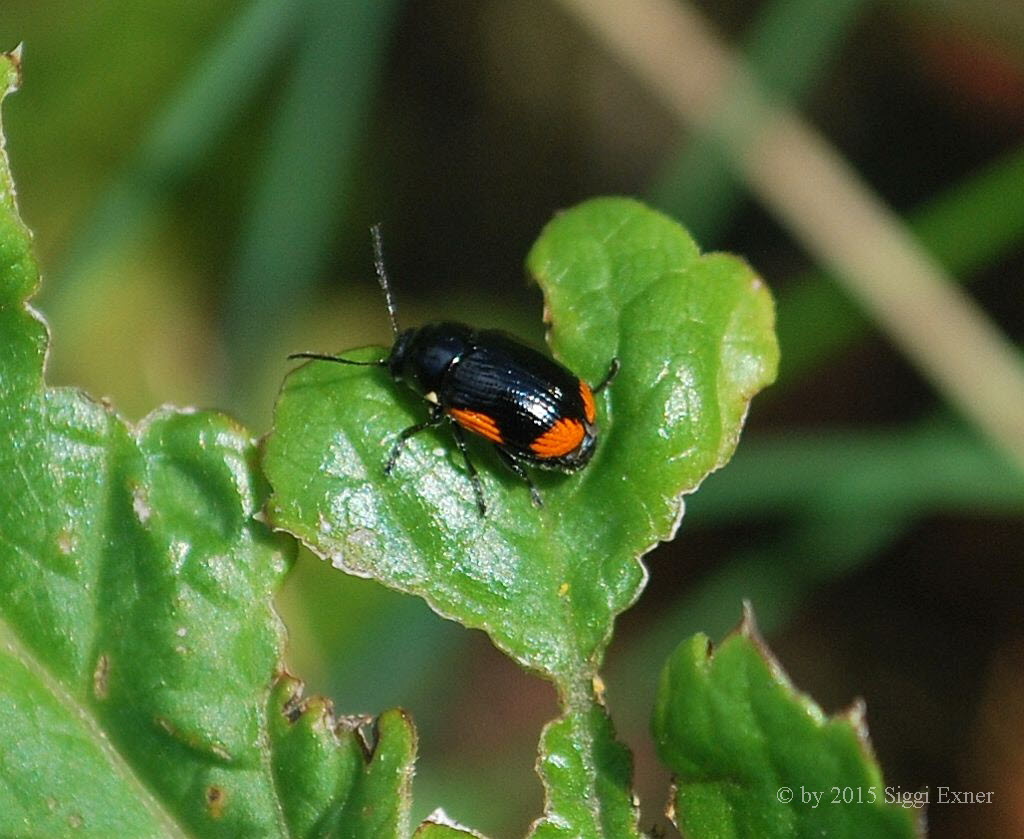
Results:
66 541
293 708
99 677
216 800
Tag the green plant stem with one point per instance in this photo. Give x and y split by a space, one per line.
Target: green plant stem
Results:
580 748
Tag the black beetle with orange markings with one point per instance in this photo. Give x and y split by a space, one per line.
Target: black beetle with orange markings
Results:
532 408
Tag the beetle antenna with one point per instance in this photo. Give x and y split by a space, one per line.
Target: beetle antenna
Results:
320 357
382 276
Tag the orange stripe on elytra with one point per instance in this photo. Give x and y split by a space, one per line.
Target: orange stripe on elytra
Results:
478 423
563 437
589 411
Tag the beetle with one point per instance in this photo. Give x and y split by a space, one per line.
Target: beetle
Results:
534 410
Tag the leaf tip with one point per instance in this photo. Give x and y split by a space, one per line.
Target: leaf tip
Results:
747 626
14 59
748 629
857 716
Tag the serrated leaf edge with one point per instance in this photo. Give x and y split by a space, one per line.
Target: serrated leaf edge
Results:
855 715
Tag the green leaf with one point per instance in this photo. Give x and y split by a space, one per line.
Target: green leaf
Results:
753 757
695 338
335 780
694 335
139 650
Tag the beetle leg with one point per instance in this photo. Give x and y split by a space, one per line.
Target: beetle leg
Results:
460 441
520 470
432 421
613 371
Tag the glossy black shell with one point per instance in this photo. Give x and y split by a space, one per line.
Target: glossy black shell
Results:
489 372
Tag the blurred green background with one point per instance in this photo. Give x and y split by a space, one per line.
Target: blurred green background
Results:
201 177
